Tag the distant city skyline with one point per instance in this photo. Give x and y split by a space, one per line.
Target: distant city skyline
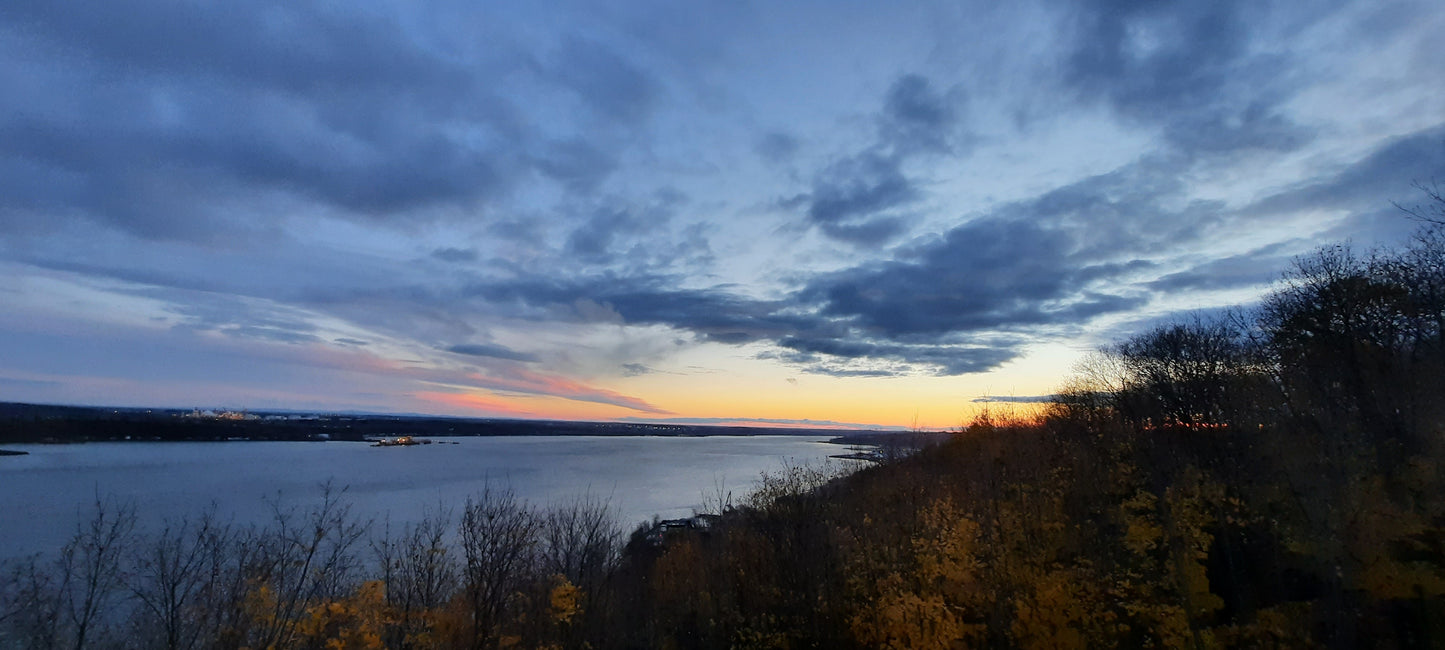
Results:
775 213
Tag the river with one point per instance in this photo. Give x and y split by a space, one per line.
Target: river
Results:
44 495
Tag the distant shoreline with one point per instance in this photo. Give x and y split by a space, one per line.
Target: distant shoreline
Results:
43 424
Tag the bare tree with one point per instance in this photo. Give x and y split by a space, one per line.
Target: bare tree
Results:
1182 374
499 540
30 608
580 540
1433 211
305 559
419 571
90 569
176 577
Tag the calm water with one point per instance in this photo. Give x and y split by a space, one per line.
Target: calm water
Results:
44 495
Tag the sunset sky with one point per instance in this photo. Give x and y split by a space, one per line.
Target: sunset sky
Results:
746 212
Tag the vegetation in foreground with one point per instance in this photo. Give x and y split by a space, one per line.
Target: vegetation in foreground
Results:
1270 480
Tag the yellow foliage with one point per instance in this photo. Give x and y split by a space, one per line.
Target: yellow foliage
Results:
1190 505
565 599
1065 609
1381 533
1165 591
353 623
903 618
935 603
1142 532
260 602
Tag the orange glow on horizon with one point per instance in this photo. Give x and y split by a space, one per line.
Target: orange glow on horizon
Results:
470 403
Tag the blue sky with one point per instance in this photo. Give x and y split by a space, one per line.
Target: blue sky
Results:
778 212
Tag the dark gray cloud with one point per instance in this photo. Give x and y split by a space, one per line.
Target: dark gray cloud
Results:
1253 127
635 237
848 196
577 164
939 305
1188 67
823 354
635 370
1032 263
1371 183
1149 55
917 118
857 187
1250 269
876 231
491 351
857 198
455 254
593 241
179 121
964 301
614 88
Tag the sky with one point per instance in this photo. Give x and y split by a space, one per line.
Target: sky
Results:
780 213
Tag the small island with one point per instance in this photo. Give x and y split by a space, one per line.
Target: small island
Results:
402 441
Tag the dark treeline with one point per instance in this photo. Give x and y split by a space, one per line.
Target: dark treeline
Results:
1263 479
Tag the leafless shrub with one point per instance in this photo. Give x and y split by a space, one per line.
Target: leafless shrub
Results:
177 578
499 542
303 559
418 569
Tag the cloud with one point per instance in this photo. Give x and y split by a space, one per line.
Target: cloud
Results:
20 384
776 147
947 359
527 382
1250 269
635 369
179 121
991 273
295 176
1143 55
847 195
455 254
473 403
917 118
634 233
490 351
855 199
858 186
965 301
1369 183
593 240
578 165
1015 399
614 88
1188 67
236 316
